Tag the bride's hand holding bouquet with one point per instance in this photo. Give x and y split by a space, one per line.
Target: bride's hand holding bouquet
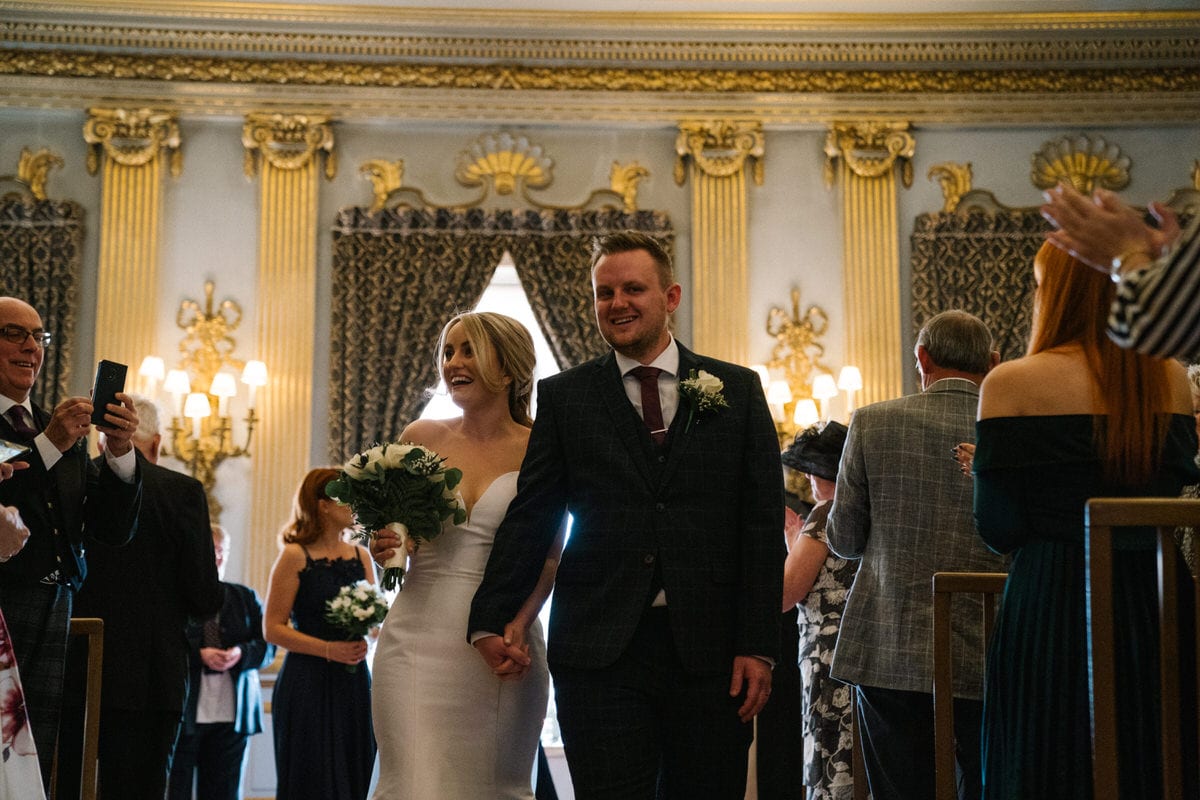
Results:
404 489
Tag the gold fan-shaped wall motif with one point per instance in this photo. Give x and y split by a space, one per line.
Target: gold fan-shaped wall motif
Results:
506 165
1087 162
504 160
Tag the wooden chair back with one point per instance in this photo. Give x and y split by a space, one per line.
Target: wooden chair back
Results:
945 586
1165 514
93 629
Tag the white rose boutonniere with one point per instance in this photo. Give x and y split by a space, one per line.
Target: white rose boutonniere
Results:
702 390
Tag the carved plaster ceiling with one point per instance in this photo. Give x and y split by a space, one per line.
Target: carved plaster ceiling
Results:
647 62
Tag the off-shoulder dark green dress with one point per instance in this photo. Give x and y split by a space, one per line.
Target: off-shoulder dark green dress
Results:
1033 476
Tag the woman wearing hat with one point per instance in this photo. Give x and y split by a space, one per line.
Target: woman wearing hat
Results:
817 580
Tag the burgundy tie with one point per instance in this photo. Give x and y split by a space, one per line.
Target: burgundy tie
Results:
651 407
21 423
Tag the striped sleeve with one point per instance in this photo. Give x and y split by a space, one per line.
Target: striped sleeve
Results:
1157 310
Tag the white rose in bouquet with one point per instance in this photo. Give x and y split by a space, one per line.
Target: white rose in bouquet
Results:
404 488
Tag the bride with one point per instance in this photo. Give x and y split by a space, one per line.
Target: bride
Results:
447 727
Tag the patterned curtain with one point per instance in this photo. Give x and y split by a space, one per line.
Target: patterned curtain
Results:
398 275
41 246
553 254
981 262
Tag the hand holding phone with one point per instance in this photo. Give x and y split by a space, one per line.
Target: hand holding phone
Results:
110 379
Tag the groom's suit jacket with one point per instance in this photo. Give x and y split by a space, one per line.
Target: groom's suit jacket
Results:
906 510
706 510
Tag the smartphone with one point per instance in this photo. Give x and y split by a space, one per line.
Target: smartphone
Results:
11 450
110 379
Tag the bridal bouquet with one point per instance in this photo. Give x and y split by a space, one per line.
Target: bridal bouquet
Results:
402 487
356 609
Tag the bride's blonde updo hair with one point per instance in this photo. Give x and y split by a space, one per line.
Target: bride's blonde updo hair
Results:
512 347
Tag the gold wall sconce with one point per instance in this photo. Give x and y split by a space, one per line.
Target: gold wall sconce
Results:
798 386
203 388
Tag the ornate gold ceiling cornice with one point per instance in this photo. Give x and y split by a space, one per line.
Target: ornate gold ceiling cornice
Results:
623 23
612 38
511 77
583 67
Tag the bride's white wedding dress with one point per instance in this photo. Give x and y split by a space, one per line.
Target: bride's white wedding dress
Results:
447 728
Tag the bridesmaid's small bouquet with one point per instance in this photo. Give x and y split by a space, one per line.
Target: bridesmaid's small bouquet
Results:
405 488
356 609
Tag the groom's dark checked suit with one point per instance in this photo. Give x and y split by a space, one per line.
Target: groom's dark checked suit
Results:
643 692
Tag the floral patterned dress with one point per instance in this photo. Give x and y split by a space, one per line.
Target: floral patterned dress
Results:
826 702
20 775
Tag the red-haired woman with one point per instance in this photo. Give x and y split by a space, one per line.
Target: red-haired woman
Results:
1078 417
321 712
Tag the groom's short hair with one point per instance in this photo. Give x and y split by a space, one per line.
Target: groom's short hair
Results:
627 241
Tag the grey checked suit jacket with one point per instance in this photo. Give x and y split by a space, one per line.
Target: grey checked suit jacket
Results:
708 508
904 507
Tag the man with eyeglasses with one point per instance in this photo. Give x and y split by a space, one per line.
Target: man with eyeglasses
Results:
65 500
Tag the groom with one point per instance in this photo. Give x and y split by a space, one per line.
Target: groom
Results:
665 622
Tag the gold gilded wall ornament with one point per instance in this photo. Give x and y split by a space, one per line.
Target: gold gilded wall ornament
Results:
719 148
504 160
870 149
33 169
504 163
798 349
609 77
1088 162
385 177
132 137
287 141
955 180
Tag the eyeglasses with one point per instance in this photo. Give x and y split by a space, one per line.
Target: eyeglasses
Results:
17 335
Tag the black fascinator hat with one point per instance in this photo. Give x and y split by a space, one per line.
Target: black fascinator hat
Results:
816 450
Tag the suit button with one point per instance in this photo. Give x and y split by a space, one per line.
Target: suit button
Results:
662 459
648 559
660 506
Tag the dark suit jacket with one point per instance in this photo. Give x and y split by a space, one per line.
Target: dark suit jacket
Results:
53 500
146 590
708 509
241 625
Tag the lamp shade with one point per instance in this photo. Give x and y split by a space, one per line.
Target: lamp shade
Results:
779 393
823 386
197 406
850 379
764 374
223 385
177 382
152 367
255 374
806 413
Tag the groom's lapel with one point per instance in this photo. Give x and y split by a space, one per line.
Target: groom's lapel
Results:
681 433
627 425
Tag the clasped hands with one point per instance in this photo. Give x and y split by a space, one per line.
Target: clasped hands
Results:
507 656
220 659
72 419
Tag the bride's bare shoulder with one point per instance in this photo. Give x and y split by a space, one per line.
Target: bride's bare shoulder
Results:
427 431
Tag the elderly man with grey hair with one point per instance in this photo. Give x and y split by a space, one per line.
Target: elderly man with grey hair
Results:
904 508
145 592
